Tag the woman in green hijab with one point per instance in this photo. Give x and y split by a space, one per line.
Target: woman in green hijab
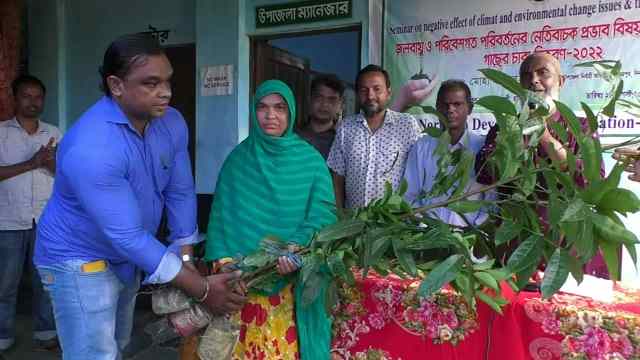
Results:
274 183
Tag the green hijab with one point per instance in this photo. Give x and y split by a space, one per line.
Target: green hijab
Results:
275 186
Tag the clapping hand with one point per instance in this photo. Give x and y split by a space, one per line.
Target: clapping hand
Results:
44 155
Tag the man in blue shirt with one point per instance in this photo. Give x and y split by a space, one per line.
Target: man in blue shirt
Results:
121 163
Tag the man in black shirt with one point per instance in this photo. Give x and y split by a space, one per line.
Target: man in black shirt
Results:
326 105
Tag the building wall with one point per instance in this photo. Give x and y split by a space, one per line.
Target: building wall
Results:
218 116
44 55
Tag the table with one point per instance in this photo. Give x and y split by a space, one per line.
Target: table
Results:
382 318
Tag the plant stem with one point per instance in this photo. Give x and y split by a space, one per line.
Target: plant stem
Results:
466 195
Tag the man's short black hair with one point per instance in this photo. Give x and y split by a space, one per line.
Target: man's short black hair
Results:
454 85
123 53
27 80
373 68
329 80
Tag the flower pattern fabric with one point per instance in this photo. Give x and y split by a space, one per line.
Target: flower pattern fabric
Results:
267 328
587 329
381 318
379 305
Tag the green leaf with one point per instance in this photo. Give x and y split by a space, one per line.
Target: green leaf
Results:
591 117
440 275
555 208
591 158
484 265
609 64
575 267
529 179
404 185
486 280
331 297
395 200
611 231
382 268
428 266
464 285
257 259
620 200
610 108
555 273
404 257
605 71
571 119
311 289
593 194
566 181
388 190
526 254
522 277
583 241
467 206
379 246
630 107
337 267
489 301
616 68
504 80
497 104
310 266
576 211
499 274
431 110
507 231
610 253
339 230
434 132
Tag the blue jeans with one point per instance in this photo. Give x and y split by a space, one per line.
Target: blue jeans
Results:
16 248
93 311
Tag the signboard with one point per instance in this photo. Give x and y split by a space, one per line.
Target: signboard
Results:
455 38
302 12
216 80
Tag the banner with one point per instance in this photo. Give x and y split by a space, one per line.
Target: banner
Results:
455 38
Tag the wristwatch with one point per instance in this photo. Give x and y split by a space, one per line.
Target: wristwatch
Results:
186 258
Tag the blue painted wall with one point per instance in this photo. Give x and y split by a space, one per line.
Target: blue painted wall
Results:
92 25
44 55
217 126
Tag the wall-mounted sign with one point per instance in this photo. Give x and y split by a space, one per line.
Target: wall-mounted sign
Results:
216 80
302 12
161 35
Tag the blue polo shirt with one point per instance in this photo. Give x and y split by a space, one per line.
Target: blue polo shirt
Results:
110 188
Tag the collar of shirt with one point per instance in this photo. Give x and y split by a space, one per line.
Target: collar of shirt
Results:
390 118
470 141
42 129
118 116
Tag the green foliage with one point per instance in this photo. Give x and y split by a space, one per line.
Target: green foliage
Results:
388 236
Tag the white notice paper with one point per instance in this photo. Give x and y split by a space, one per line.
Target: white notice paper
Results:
216 80
591 286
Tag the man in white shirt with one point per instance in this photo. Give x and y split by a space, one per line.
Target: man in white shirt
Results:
27 167
455 104
370 148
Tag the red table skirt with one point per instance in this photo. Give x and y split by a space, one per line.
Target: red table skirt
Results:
382 318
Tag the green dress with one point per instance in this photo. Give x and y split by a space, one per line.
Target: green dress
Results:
275 186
